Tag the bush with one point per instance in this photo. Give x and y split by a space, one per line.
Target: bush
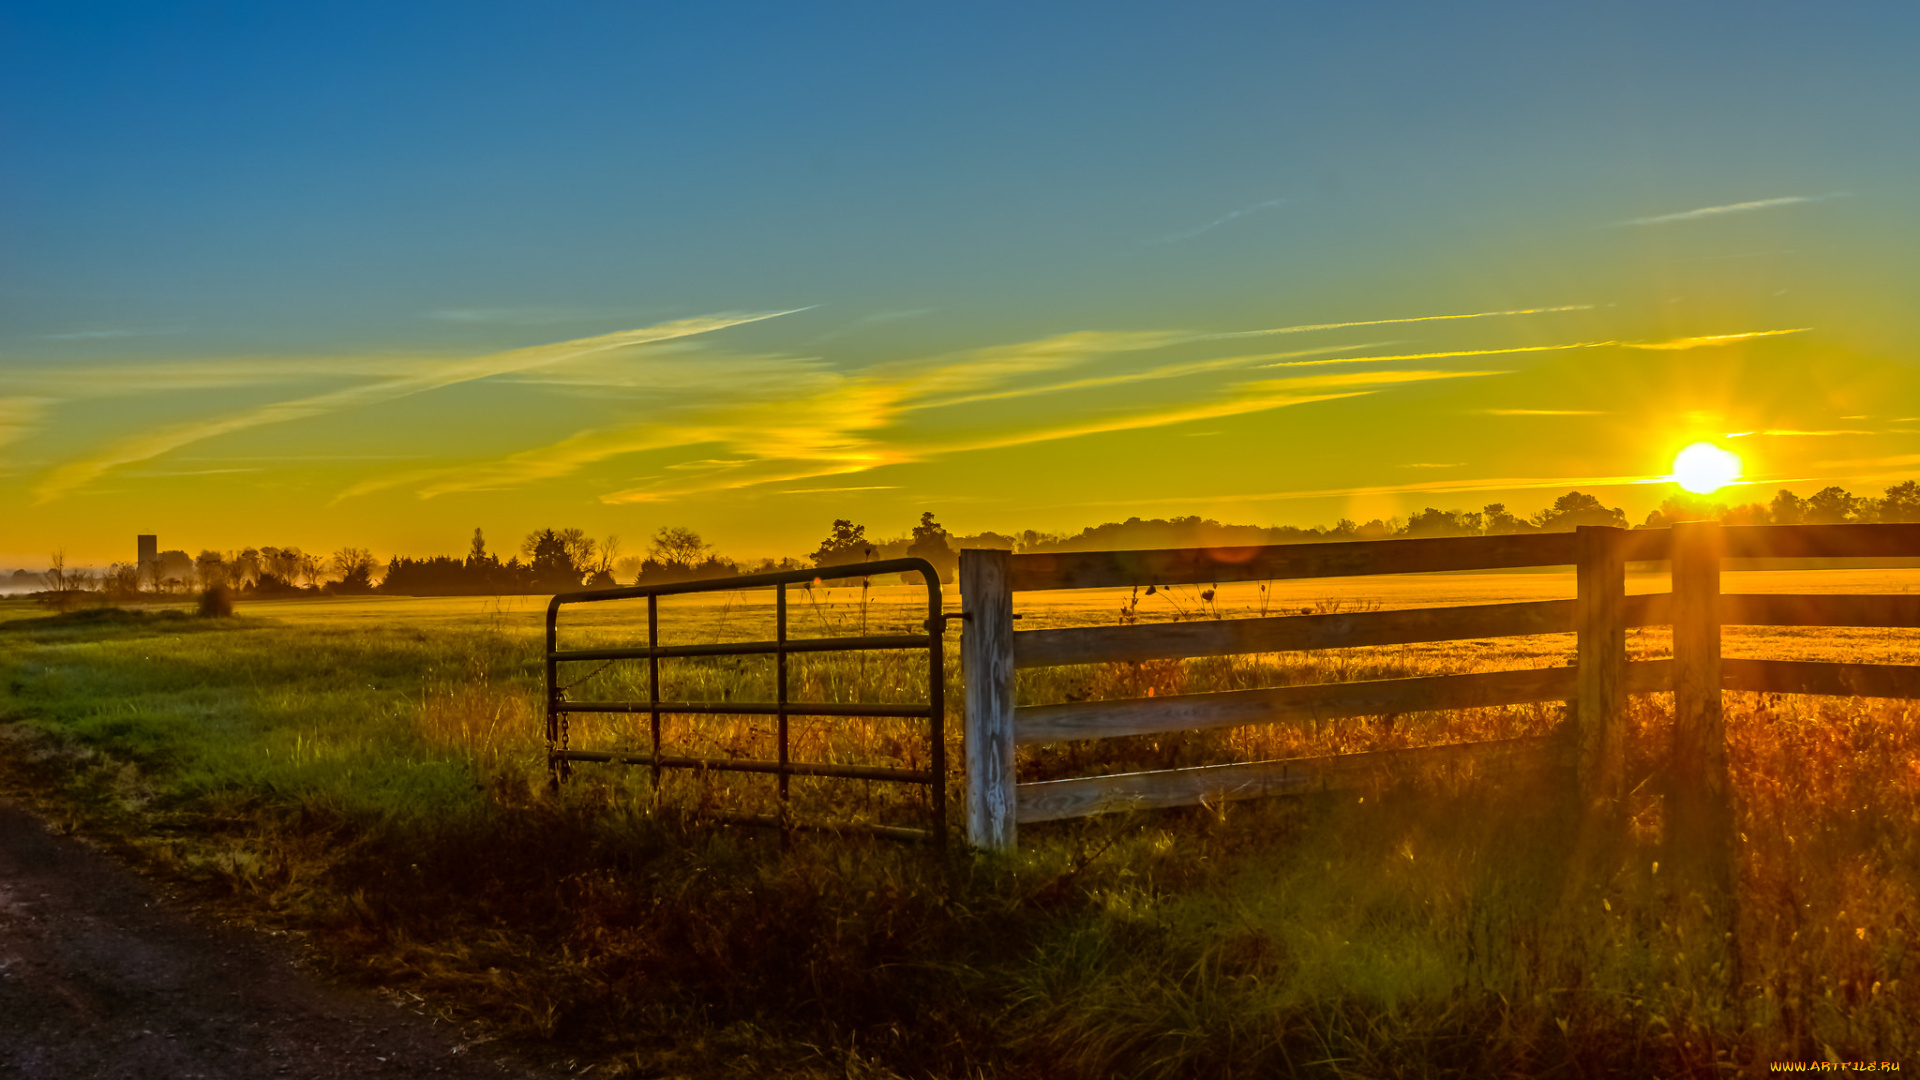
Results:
217 602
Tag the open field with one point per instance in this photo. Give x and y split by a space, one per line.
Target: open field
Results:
372 770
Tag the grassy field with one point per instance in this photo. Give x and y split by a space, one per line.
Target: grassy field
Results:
372 771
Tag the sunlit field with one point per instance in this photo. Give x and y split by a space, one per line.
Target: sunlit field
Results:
373 771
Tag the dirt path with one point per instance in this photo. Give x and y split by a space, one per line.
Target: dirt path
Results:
102 976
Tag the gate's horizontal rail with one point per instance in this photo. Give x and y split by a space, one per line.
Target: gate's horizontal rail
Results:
753 765
1817 677
740 708
1315 701
1050 800
791 645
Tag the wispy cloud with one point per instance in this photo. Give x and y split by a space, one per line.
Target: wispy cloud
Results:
86 381
1245 211
1791 431
1896 461
422 378
20 415
529 316
1712 340
1731 208
1164 371
1462 486
1541 412
835 490
1433 464
1445 355
107 334
1305 328
798 418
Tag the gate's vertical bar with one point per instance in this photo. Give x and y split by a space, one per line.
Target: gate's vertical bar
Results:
937 709
653 682
1600 708
556 766
986 666
780 706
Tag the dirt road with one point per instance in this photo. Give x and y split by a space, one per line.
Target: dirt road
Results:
103 976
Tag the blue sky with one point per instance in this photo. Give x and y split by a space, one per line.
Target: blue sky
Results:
246 250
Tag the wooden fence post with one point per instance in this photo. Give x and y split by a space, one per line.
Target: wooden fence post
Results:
1700 819
1699 761
1600 705
986 666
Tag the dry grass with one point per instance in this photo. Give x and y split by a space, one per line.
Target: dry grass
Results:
1441 928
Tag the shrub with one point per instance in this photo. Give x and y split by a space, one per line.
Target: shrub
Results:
217 602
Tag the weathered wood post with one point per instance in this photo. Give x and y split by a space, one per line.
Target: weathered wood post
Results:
1699 762
1600 707
986 666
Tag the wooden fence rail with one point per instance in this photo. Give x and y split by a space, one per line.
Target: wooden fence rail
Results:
1597 685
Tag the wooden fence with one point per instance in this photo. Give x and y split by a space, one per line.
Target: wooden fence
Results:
1596 686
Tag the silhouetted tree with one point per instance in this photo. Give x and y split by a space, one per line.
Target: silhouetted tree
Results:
355 567
1902 503
550 565
677 544
1496 521
1574 509
211 568
1787 508
845 544
1831 506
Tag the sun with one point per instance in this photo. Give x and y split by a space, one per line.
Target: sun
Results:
1704 468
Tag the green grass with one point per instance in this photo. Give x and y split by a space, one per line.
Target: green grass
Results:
373 772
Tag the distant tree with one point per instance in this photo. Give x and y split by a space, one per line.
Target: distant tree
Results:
122 580
1832 506
1787 508
282 563
931 542
1683 507
677 544
1902 503
176 569
1750 514
550 565
57 571
845 544
246 567
354 568
310 570
478 549
211 568
1574 509
1496 521
1432 522
580 547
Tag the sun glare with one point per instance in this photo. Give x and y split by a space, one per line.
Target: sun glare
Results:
1704 468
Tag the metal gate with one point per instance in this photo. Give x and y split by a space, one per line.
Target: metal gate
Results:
560 756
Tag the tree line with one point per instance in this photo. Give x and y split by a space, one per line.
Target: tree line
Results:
563 560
